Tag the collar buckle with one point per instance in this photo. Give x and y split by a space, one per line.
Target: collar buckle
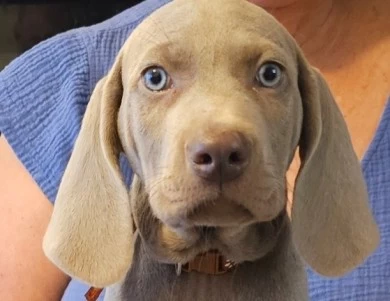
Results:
211 263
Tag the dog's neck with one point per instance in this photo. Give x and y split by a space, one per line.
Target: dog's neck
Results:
149 279
264 254
214 262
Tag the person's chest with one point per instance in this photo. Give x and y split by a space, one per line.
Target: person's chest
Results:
361 88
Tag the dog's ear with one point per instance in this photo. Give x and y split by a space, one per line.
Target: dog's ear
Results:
90 232
333 227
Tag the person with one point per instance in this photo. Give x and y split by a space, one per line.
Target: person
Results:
44 93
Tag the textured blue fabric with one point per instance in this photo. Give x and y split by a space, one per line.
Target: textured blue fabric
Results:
43 96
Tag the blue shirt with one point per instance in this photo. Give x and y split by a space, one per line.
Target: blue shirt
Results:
43 97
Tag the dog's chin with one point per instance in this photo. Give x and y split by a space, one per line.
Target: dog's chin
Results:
212 214
221 224
201 205
246 241
220 213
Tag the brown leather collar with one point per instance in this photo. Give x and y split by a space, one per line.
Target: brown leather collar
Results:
93 294
211 263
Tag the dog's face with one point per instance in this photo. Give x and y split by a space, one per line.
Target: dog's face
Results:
210 116
208 100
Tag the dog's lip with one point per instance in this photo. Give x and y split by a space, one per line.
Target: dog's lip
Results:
219 213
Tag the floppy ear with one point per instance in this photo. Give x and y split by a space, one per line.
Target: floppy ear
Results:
90 233
333 227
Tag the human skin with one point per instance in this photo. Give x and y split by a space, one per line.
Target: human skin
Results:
345 39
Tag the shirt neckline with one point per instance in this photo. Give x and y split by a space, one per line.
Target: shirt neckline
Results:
379 133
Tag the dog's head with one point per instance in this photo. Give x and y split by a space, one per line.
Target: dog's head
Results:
209 101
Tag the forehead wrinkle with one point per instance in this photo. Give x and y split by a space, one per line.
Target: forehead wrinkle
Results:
160 41
166 54
246 19
259 49
152 32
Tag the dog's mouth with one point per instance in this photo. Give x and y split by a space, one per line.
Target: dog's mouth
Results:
219 213
209 215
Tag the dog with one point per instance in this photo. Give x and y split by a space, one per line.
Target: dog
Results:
209 100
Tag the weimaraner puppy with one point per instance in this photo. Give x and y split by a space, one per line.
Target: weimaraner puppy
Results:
209 100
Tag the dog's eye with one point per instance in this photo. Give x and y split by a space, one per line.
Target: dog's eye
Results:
156 79
269 75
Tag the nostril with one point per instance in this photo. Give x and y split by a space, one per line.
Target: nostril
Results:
235 158
203 159
219 159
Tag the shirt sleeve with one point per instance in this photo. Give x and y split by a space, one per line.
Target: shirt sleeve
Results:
43 97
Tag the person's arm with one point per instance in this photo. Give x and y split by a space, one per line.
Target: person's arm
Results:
25 272
43 93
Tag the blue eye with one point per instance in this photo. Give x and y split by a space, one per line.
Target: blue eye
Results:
269 75
156 79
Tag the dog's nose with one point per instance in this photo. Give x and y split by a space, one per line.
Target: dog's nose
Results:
221 159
